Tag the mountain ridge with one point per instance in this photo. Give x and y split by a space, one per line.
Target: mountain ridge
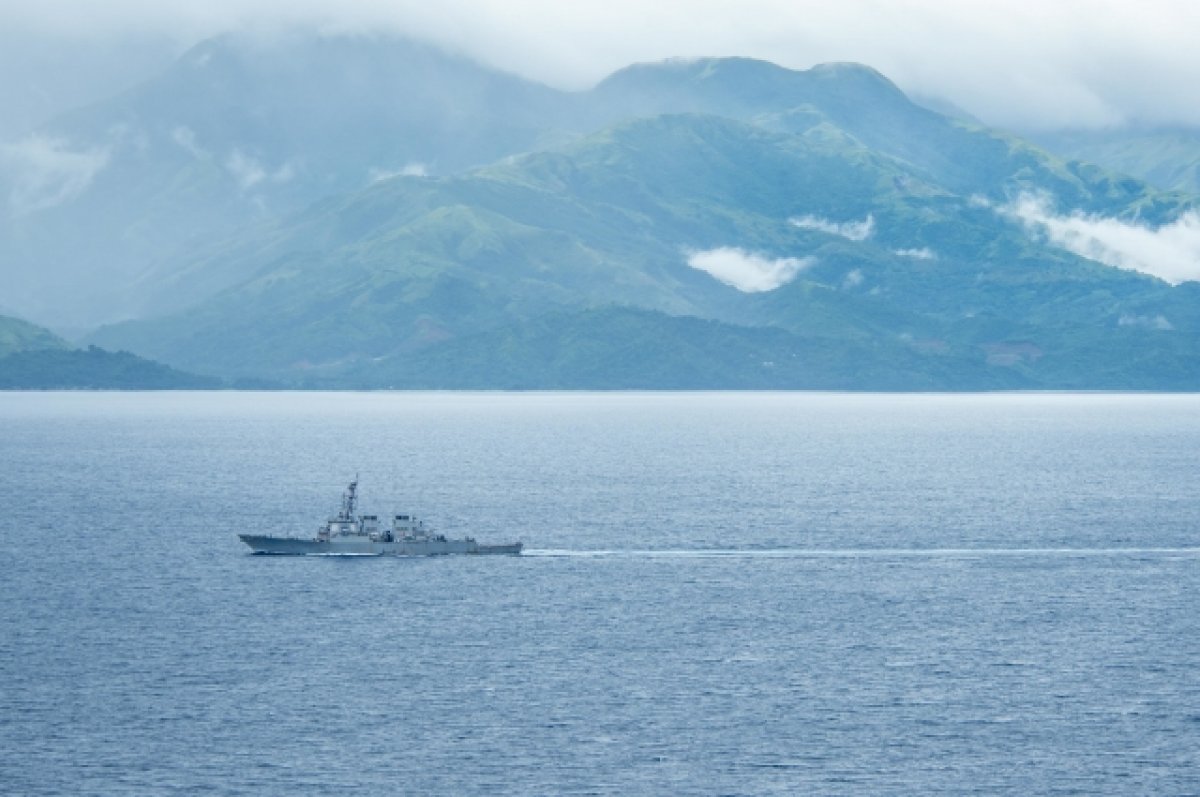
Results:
485 248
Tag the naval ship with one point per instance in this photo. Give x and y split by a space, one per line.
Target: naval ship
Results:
351 534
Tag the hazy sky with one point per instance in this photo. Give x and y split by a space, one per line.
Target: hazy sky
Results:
1016 64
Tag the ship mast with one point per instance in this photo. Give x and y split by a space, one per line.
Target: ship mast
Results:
350 500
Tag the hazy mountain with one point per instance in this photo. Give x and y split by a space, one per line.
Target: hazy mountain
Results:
93 369
17 335
34 358
235 132
1168 158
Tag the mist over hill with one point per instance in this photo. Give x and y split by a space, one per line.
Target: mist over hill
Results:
1166 157
348 211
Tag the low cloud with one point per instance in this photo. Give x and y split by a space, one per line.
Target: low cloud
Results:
1147 73
413 169
1170 252
246 170
44 172
924 253
186 138
850 230
1158 322
250 172
749 272
852 279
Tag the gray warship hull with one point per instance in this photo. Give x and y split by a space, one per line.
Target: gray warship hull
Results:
350 546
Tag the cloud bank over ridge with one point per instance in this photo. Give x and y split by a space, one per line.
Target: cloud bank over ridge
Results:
1023 65
749 272
850 230
1170 252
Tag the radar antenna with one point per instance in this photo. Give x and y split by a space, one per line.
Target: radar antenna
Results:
350 500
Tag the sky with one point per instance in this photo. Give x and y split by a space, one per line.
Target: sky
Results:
1024 66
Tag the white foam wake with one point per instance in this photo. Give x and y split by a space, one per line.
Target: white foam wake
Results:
837 553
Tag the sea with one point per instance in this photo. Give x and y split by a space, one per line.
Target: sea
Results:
721 594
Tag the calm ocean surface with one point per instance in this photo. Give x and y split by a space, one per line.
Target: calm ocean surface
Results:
722 594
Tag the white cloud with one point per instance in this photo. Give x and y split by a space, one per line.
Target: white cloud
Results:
852 279
412 169
44 172
850 230
246 170
924 253
250 172
1158 322
747 271
186 138
1170 252
284 173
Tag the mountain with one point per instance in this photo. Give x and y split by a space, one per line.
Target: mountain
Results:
107 204
94 369
1168 158
18 336
236 132
605 220
885 259
862 106
33 358
613 348
371 212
